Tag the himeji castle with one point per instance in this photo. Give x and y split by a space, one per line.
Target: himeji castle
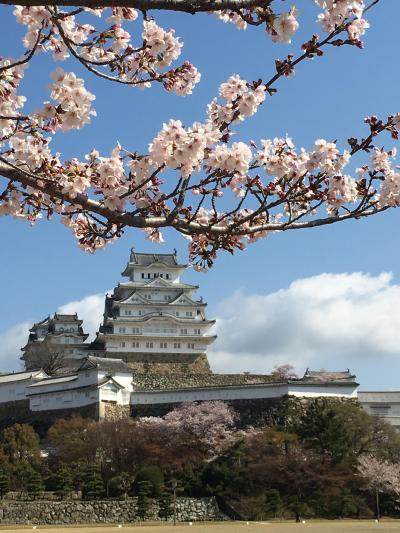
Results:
154 319
149 354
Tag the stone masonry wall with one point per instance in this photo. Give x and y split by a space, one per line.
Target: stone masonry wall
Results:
165 363
100 511
256 412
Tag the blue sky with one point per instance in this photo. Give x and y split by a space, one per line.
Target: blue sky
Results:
42 268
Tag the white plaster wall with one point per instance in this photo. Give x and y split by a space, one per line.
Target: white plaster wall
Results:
64 400
15 390
174 274
349 391
232 393
115 346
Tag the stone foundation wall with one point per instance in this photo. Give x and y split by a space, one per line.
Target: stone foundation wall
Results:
164 363
111 411
154 381
100 511
256 412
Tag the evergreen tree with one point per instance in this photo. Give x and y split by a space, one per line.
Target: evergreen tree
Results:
166 504
154 475
120 485
34 484
273 503
93 485
4 485
143 500
63 482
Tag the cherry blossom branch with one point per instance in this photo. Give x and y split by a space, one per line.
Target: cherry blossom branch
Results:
188 6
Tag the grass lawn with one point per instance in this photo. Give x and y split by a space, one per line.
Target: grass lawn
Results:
230 527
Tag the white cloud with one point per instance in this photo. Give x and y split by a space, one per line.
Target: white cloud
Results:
11 342
316 321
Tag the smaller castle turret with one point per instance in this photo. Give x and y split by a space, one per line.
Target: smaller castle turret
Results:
61 334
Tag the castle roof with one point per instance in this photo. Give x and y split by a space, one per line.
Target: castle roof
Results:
93 386
106 364
21 376
322 376
143 260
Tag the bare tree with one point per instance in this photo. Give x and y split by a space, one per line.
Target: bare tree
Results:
51 358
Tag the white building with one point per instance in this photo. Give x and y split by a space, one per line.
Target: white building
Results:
14 387
58 334
153 317
385 404
98 381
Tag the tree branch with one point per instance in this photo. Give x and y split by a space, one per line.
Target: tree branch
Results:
187 6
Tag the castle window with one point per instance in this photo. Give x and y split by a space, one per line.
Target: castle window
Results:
136 331
163 344
149 345
135 345
184 331
177 313
139 312
191 346
128 312
177 344
161 275
197 332
167 276
122 330
148 276
122 344
142 275
189 313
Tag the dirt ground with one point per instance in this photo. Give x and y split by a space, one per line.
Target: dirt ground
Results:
232 527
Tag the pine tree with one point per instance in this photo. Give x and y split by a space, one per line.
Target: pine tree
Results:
166 504
93 485
143 500
63 482
4 485
273 502
34 483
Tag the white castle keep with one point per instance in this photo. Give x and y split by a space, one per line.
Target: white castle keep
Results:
149 354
